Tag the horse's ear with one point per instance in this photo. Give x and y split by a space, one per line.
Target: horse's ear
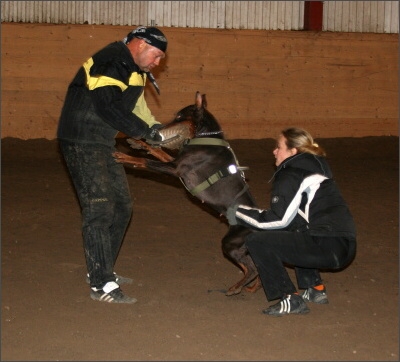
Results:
201 101
198 100
203 97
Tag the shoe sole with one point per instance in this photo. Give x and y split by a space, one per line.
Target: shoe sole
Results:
306 311
112 301
303 309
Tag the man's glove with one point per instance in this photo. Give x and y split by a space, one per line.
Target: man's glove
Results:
157 125
231 214
152 135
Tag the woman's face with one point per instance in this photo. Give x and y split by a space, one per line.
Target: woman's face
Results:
281 152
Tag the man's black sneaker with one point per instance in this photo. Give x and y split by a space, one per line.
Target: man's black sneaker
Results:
315 296
120 280
292 304
111 293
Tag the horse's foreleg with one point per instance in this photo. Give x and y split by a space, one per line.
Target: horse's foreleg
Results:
124 158
156 152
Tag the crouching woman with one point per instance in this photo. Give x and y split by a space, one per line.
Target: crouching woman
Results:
308 226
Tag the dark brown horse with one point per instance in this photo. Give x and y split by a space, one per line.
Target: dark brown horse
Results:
208 168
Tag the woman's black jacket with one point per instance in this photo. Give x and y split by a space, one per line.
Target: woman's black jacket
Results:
304 197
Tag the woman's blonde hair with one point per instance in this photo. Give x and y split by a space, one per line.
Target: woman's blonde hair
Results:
301 140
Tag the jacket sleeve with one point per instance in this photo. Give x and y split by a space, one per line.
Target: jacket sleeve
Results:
143 112
279 215
291 196
110 106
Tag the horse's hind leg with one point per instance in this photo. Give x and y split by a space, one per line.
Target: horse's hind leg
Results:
250 274
255 286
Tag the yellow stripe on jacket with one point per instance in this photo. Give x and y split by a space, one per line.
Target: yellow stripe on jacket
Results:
141 109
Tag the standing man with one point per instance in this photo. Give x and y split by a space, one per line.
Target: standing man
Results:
105 97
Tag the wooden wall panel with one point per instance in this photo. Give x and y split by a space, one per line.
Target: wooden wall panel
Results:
257 82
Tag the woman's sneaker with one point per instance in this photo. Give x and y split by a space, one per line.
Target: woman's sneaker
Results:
292 304
111 293
315 296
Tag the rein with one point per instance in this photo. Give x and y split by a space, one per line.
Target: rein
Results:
221 173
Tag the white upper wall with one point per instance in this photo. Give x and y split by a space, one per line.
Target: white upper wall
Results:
338 16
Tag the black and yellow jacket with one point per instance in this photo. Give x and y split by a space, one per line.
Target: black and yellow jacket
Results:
106 96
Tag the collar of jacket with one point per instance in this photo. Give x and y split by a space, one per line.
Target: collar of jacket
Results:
289 159
284 164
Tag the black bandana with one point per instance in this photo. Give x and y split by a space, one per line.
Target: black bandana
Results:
152 36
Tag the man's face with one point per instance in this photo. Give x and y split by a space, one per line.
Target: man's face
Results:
148 57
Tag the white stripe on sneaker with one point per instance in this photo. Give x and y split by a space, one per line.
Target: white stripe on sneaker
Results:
107 298
285 305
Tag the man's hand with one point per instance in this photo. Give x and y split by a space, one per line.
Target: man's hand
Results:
152 135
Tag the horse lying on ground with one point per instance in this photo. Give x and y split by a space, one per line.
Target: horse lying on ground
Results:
209 170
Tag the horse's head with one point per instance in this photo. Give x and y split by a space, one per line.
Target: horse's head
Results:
205 124
193 121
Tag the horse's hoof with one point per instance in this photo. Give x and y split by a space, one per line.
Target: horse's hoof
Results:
233 291
253 288
256 285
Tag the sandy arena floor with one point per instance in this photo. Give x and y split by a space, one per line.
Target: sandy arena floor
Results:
172 251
